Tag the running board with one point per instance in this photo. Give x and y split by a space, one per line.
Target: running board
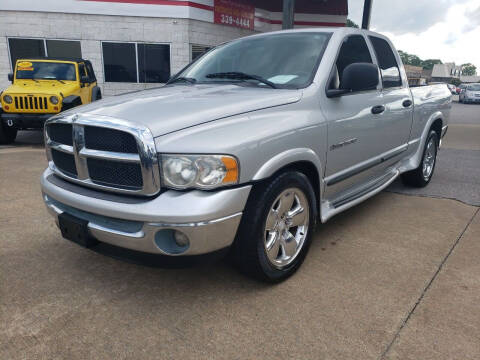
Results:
329 209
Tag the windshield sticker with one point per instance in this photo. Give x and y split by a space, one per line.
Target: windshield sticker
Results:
282 79
25 66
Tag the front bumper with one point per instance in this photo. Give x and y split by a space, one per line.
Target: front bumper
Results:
25 121
209 219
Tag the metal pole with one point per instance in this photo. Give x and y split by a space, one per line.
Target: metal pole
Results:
367 11
288 14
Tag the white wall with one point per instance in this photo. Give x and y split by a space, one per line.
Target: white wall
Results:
92 29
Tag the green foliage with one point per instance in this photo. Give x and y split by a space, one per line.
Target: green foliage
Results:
469 69
409 59
350 23
455 81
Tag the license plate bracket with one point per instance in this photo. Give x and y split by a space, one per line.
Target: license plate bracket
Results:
75 229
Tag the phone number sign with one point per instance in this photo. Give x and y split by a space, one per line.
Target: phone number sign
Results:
233 13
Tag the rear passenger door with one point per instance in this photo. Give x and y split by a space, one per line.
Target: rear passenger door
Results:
397 99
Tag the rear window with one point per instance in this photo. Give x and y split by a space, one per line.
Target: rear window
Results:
37 70
387 62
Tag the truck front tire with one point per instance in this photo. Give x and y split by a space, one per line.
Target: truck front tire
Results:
276 228
421 176
7 134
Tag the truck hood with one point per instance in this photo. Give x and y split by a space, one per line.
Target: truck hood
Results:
43 87
176 107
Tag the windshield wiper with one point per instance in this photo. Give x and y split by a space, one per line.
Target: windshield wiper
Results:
241 76
183 79
61 81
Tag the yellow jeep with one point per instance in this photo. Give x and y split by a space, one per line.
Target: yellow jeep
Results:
42 88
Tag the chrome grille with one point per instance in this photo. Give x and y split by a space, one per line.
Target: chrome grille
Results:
104 153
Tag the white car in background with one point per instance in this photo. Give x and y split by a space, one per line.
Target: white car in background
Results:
470 94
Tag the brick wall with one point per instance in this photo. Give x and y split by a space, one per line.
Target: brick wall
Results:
92 29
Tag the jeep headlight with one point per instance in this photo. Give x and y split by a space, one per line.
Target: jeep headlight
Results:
54 100
8 99
198 171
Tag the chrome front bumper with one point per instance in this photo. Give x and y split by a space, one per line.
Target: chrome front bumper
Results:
209 219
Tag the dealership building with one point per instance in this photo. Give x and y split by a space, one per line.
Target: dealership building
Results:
135 44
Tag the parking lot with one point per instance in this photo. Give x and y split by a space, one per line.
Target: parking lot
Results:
396 277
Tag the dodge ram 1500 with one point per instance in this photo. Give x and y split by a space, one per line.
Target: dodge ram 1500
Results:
245 149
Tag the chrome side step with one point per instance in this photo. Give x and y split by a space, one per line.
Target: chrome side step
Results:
331 208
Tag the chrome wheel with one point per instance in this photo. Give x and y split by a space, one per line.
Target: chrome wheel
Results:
286 227
429 159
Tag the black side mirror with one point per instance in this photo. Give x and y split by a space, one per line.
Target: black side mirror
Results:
357 77
84 79
10 77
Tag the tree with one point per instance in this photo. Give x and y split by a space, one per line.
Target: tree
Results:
428 64
469 69
350 23
455 81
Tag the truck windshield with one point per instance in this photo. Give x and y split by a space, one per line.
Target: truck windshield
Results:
287 60
45 71
474 87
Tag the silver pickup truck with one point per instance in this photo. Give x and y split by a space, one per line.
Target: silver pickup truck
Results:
245 149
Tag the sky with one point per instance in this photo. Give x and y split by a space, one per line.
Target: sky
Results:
448 30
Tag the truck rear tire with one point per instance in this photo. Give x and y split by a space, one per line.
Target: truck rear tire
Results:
421 176
276 228
7 134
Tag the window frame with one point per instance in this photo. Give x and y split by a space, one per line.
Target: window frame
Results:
136 58
372 56
403 83
44 40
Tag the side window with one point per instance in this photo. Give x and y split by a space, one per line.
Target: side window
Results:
354 49
387 62
81 70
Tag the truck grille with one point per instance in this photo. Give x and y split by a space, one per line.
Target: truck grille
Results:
31 102
110 155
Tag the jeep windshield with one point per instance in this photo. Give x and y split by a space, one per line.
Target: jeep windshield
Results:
38 70
287 60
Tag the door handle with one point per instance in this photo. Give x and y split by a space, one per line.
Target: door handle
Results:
378 109
407 103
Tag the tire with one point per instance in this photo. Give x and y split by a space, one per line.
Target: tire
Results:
97 94
421 176
7 135
288 191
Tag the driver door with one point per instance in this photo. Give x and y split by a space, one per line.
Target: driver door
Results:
85 91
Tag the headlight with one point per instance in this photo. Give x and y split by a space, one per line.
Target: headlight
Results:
54 100
8 99
198 171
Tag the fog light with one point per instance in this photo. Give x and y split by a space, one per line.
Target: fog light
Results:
171 241
180 238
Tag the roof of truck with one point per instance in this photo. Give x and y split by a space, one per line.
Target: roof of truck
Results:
72 59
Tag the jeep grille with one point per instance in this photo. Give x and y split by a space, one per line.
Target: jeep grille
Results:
103 153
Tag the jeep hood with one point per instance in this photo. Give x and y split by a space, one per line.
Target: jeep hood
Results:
176 107
42 87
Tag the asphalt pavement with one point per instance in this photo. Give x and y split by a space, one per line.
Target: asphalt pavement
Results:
396 277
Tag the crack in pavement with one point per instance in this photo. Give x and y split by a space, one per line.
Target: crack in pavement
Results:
422 295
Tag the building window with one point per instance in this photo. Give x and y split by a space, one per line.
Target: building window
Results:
136 63
198 50
153 63
35 48
120 62
64 49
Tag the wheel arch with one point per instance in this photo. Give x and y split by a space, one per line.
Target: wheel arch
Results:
303 160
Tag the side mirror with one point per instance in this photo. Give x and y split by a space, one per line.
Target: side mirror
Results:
84 79
357 77
10 77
